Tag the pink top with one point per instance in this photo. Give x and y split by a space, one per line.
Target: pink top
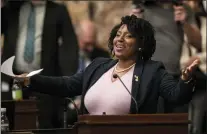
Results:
109 97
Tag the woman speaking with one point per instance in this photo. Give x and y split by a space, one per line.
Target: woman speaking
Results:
128 84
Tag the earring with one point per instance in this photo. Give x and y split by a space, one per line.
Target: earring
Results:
113 53
140 49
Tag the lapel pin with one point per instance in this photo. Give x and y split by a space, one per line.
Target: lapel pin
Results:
136 78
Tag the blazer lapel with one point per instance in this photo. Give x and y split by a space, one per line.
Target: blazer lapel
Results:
45 46
13 31
103 68
136 81
143 75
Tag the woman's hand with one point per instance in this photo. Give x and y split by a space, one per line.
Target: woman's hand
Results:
187 73
23 79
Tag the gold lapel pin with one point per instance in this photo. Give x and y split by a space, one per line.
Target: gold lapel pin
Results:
136 78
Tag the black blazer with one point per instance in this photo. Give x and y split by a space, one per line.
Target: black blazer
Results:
56 59
153 82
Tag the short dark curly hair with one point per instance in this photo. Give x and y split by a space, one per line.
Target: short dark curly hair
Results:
142 30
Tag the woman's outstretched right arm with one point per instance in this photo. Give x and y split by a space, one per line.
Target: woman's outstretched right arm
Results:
65 86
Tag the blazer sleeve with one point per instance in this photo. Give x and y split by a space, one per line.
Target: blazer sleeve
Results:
68 50
175 90
59 86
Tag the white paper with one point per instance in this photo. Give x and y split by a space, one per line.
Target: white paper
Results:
34 72
6 68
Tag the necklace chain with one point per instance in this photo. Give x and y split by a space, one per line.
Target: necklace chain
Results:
119 71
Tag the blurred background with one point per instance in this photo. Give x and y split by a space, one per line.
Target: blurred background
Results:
63 37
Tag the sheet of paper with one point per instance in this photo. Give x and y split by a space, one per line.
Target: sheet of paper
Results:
6 68
34 72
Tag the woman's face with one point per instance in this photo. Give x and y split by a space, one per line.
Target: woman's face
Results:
124 44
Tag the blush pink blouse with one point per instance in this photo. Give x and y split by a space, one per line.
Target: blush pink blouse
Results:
109 97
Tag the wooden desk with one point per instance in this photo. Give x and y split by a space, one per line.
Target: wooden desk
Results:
45 131
119 124
21 114
133 124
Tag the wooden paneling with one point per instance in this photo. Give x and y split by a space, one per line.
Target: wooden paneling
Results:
21 114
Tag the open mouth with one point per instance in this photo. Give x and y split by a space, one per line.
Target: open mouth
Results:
119 46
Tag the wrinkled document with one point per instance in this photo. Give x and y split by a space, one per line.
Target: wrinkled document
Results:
6 68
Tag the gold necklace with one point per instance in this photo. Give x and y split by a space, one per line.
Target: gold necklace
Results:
115 69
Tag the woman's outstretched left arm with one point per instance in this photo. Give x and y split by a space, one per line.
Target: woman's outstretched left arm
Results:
178 91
